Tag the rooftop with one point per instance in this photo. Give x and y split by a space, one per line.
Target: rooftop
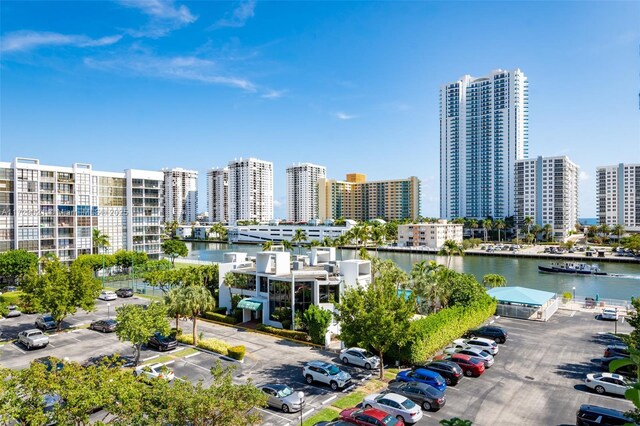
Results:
522 295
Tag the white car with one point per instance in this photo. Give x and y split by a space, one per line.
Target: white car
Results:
155 371
485 356
359 357
396 405
479 343
610 314
107 295
607 382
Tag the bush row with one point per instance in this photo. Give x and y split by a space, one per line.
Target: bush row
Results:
221 318
237 352
214 345
430 334
291 334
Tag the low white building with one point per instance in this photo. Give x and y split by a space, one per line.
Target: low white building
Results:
275 289
197 232
432 235
263 232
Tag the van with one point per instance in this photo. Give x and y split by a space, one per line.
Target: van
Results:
589 415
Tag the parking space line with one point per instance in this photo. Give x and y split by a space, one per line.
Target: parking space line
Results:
192 355
196 365
272 413
308 412
52 345
150 358
331 398
19 350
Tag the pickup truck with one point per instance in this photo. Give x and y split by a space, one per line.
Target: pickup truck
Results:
33 338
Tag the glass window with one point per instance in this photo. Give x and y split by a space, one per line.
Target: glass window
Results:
280 303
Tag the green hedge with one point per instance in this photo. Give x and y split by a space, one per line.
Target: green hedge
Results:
237 352
291 334
11 298
221 310
213 345
430 334
221 318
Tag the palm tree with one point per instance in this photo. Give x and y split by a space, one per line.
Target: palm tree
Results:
287 245
450 248
499 224
473 224
377 236
605 230
340 242
528 221
315 243
175 306
548 231
267 245
328 242
486 225
100 240
219 230
196 300
535 230
170 229
618 230
591 231
298 237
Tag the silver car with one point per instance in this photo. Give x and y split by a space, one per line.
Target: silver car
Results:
282 397
359 357
483 355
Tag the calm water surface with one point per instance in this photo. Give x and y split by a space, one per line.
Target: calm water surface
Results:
518 271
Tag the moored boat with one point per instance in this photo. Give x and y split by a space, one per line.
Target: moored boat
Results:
571 268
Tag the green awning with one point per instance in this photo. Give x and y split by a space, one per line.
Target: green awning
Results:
251 304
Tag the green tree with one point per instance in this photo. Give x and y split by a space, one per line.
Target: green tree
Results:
267 245
487 224
618 230
171 229
328 242
196 300
528 221
298 237
137 324
287 245
219 230
16 265
173 249
100 240
499 225
127 259
61 290
174 302
317 321
494 280
450 248
548 231
375 316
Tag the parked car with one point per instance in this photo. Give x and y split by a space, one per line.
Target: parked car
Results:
609 314
369 417
155 371
616 350
162 343
282 397
450 371
359 357
124 292
107 295
485 356
428 397
329 374
479 343
13 311
422 375
607 383
33 339
629 370
471 366
105 326
50 363
490 332
46 322
334 423
591 415
397 405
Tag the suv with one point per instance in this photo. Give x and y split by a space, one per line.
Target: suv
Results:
330 374
589 415
616 350
490 332
451 371
162 343
45 322
124 292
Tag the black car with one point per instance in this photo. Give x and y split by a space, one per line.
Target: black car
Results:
106 326
589 415
124 292
450 371
162 343
629 370
490 332
428 397
616 350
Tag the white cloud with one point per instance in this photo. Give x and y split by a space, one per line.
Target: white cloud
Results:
343 116
583 175
277 203
273 94
187 68
239 16
165 16
21 41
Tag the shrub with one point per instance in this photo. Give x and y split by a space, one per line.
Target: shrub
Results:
296 335
317 321
185 338
237 352
11 298
221 310
214 345
176 332
221 318
567 295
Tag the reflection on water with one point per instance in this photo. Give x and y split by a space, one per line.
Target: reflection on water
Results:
518 271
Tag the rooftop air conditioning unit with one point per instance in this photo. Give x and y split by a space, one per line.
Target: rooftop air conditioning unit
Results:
298 266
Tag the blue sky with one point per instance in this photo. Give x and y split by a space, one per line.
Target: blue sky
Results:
349 85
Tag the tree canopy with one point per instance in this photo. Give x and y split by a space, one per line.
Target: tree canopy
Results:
137 323
17 264
174 248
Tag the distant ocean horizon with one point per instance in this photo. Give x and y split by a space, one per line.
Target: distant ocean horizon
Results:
588 221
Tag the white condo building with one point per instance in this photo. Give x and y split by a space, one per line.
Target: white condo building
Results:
180 195
250 190
218 194
483 132
618 195
52 209
302 191
546 189
431 235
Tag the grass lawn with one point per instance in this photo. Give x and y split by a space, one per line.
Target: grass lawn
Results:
351 400
390 373
326 414
169 357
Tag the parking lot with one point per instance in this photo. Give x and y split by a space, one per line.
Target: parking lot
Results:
537 377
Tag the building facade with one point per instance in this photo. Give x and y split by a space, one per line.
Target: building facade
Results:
358 199
483 132
431 235
218 195
250 195
302 191
546 189
51 209
180 195
618 195
278 233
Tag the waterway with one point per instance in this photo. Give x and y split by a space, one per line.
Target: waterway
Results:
518 271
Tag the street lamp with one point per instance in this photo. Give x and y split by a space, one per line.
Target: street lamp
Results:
301 396
108 310
574 295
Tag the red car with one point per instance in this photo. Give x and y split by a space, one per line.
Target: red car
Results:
471 366
369 417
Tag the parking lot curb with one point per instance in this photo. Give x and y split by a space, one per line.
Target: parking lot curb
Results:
224 357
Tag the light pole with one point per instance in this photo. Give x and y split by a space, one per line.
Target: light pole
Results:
301 396
108 310
574 295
